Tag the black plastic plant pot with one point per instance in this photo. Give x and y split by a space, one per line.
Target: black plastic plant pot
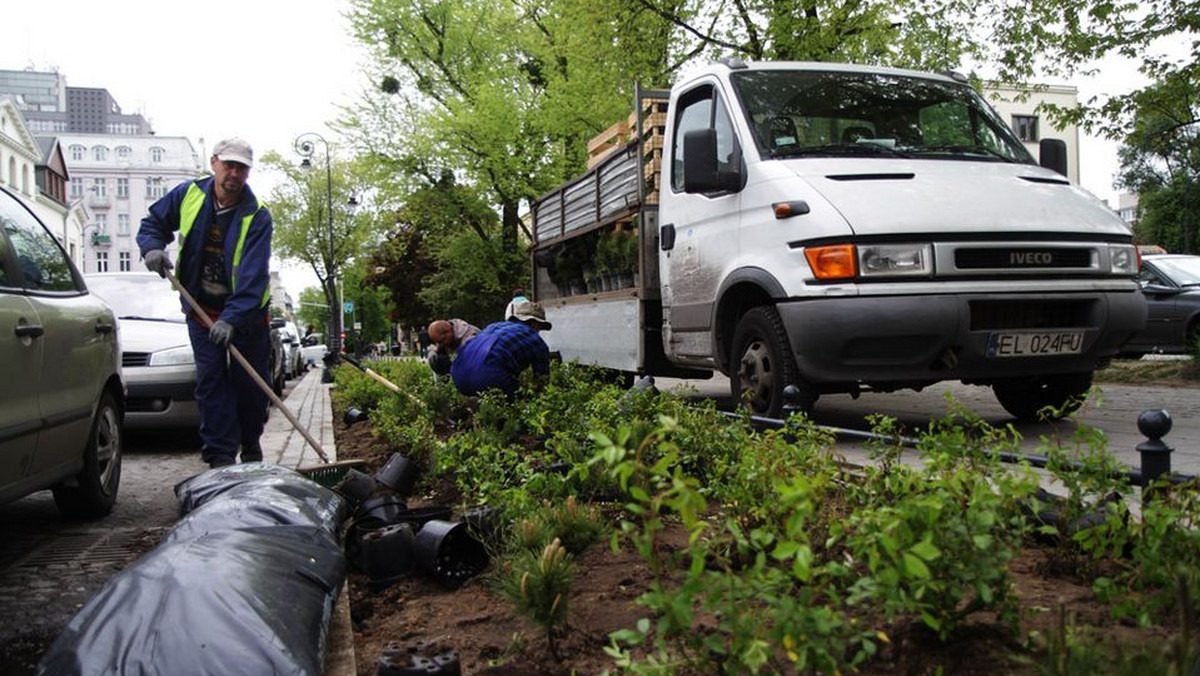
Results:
380 510
353 414
449 553
484 523
398 474
419 516
356 486
387 554
418 659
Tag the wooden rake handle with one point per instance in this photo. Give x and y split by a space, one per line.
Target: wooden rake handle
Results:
262 384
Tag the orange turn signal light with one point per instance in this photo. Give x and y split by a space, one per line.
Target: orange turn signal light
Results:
837 261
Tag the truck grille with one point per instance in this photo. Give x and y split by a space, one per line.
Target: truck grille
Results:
993 315
1008 258
135 358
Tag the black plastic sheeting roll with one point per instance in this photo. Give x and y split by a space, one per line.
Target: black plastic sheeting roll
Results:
250 601
244 584
270 501
197 490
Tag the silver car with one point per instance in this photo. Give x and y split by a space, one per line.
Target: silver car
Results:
61 395
160 372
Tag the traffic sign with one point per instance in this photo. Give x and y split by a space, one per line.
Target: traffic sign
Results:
348 306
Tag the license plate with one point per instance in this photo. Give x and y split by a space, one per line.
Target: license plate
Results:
1034 343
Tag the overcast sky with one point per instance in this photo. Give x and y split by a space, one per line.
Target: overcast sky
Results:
266 70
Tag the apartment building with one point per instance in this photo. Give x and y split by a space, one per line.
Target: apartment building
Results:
115 166
118 177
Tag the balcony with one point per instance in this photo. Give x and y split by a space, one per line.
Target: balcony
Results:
99 201
101 239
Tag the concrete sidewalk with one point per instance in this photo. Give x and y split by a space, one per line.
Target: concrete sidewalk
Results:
309 402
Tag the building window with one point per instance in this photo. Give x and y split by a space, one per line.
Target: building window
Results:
154 188
156 154
1026 127
122 224
123 152
101 261
102 222
123 187
100 187
100 153
76 188
123 261
77 152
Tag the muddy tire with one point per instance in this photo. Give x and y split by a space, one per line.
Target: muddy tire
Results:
761 365
1025 398
92 493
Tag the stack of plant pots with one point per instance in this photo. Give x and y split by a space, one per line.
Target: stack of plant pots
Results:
389 541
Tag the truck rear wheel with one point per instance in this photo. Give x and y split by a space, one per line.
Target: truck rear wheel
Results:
761 364
1025 398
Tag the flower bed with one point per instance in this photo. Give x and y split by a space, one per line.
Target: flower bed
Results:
644 533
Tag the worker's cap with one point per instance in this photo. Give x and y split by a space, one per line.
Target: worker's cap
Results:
530 311
234 150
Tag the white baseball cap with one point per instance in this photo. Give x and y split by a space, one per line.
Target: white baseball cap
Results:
234 150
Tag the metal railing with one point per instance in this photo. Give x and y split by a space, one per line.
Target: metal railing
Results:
1155 453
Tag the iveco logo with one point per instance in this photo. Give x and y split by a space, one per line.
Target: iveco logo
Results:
1030 258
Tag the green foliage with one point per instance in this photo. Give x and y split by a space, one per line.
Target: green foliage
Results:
473 279
1160 161
1058 39
538 586
301 209
767 555
309 314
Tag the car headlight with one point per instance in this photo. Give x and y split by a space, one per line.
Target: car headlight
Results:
895 260
172 357
1122 259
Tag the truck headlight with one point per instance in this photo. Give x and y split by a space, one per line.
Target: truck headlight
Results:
1122 259
895 260
171 357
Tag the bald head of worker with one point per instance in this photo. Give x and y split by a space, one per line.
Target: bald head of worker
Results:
441 332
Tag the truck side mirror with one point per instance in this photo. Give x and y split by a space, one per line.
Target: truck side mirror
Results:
700 168
1052 154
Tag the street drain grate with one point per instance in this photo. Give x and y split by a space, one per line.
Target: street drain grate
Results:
90 549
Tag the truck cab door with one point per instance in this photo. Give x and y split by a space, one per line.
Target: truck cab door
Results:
698 225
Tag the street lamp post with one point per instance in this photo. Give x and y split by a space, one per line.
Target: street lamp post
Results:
305 145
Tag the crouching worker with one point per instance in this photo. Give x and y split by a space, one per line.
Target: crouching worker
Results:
446 336
495 358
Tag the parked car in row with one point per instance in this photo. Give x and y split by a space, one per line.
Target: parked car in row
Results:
295 365
1171 285
63 399
156 352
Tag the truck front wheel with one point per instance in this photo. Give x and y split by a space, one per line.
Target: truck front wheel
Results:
762 364
1025 398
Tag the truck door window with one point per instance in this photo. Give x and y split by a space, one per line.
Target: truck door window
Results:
702 108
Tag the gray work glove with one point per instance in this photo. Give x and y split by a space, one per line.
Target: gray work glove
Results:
157 261
220 333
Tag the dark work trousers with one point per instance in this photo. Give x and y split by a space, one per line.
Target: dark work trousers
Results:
232 407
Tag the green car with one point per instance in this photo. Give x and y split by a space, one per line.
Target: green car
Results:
61 396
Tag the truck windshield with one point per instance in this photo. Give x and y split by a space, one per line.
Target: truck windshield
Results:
799 113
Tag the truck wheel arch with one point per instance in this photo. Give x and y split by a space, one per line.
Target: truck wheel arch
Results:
744 289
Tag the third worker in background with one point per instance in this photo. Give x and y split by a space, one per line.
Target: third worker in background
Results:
495 358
